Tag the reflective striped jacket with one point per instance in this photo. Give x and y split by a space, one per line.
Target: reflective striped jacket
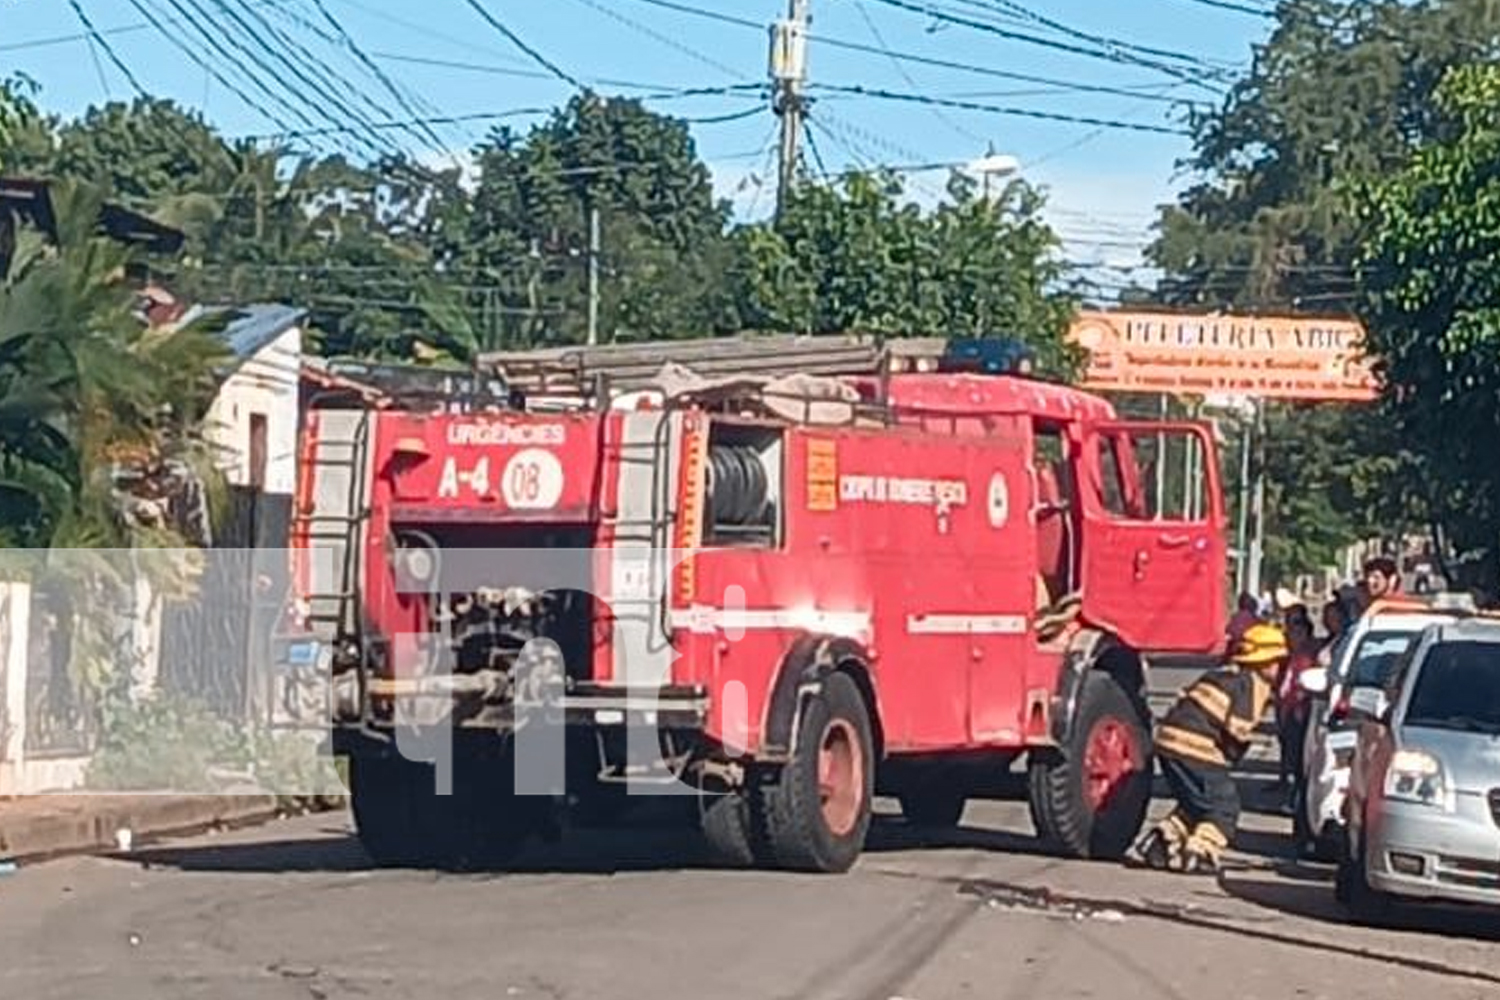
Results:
1215 719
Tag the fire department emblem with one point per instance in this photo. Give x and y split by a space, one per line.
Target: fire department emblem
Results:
999 501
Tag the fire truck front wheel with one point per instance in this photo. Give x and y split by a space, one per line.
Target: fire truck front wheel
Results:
818 810
1089 798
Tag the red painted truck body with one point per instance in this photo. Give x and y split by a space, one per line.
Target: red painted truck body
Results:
982 559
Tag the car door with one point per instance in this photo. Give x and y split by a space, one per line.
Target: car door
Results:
1153 551
1374 746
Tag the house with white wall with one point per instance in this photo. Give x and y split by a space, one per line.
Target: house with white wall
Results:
205 652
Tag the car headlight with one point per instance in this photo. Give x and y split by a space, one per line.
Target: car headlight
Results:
1417 776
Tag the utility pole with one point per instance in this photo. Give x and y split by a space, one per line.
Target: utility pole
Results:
1258 541
789 74
593 275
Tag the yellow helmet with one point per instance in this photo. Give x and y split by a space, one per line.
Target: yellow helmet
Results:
1261 646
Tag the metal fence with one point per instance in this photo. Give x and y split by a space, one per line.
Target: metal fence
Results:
62 716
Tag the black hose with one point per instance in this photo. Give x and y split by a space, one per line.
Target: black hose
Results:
738 486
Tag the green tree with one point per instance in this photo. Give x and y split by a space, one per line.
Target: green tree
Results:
856 257
1429 268
524 235
83 383
145 151
1337 93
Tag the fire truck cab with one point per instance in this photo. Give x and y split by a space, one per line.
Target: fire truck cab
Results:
775 595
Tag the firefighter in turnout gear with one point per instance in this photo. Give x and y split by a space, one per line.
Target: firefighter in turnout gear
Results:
1206 732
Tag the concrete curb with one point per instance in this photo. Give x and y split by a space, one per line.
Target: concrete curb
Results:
54 825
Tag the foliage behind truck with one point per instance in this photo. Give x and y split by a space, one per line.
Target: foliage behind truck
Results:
820 578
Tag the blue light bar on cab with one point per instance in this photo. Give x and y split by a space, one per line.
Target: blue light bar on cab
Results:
986 356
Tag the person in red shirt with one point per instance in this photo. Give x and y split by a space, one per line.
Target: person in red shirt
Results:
1247 614
1292 714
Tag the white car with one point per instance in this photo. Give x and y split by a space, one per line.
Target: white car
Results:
1424 793
1363 658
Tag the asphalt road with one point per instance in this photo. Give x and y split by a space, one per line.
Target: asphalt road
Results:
292 910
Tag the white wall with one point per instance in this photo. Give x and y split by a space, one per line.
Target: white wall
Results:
266 383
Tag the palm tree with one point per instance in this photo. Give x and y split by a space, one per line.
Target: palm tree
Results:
85 386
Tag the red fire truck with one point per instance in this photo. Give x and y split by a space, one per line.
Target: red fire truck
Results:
894 577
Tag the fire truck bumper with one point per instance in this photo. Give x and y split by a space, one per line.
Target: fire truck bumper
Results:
428 700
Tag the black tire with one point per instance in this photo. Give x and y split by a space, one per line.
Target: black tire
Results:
728 825
799 834
381 799
938 807
1366 904
1060 806
403 822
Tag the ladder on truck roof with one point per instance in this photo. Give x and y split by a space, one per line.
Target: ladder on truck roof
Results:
589 375
574 377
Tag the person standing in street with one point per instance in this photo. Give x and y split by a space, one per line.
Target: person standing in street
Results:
1292 712
1335 623
1205 733
1247 613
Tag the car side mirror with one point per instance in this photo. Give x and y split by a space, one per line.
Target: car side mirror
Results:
1370 702
1314 680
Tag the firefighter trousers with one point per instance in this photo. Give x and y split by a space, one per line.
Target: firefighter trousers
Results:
1208 809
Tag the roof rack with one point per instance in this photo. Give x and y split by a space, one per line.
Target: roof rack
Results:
581 372
414 386
572 377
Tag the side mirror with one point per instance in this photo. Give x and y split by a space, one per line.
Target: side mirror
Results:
1369 702
1314 680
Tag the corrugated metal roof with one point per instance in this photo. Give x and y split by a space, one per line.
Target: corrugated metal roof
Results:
255 326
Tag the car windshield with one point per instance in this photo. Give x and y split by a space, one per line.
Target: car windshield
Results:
1375 657
1458 687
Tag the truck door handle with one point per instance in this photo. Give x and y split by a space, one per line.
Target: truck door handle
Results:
1174 541
1142 557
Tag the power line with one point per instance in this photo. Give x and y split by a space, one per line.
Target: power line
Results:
657 36
1115 56
153 18
327 82
900 67
995 109
95 37
517 41
1027 15
908 57
385 80
1238 8
533 74
484 116
85 36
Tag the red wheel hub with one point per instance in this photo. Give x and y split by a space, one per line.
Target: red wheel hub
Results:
841 777
1110 756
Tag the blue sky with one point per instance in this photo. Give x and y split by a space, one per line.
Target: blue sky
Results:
1103 182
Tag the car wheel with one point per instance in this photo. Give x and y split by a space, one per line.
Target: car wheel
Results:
1366 904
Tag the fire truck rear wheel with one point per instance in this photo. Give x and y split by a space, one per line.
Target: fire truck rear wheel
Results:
1090 798
818 811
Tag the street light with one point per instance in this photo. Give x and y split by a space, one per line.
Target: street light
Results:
993 165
